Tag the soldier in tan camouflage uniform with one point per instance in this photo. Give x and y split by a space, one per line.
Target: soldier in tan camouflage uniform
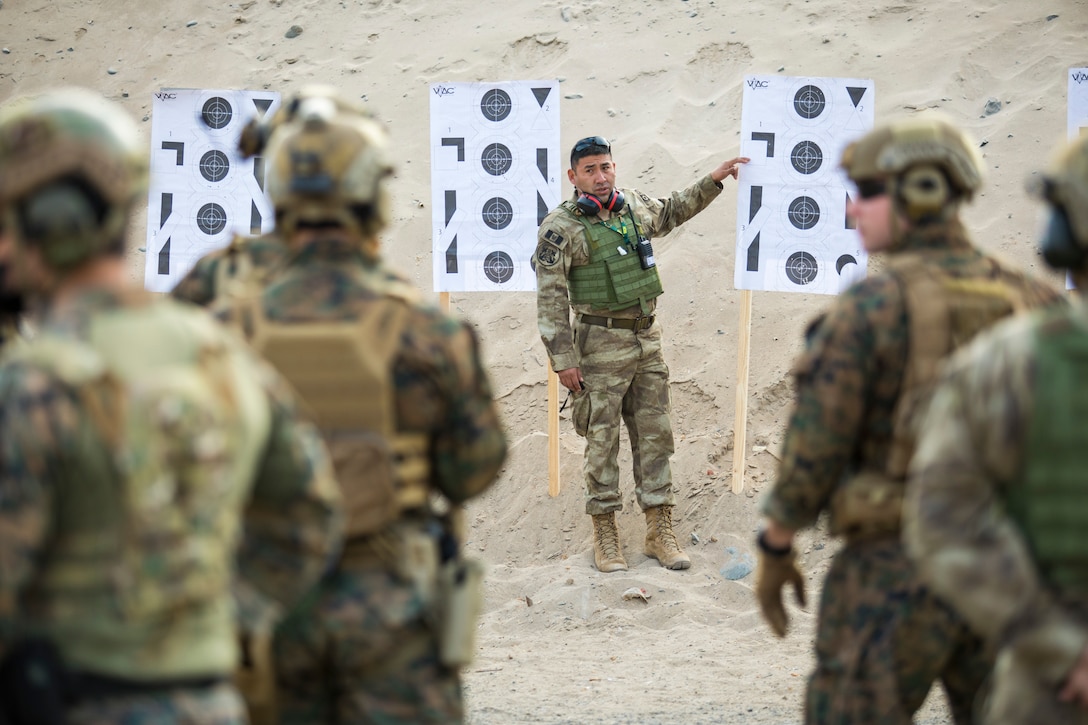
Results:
139 442
399 391
996 514
868 365
594 256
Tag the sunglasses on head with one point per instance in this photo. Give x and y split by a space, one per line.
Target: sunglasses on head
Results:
869 188
592 142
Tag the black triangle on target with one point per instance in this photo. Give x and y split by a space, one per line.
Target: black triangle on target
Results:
753 255
451 257
542 162
166 208
855 94
164 258
541 95
255 218
541 209
258 171
263 104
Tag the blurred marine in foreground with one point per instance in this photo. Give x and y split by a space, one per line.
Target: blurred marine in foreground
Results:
401 396
868 366
997 506
138 441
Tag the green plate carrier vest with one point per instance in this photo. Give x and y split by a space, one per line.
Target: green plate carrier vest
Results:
613 280
1051 505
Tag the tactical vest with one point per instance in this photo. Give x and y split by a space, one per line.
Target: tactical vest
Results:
613 279
1050 504
343 373
149 494
944 313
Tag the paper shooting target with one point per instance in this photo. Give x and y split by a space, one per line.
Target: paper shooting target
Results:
806 157
495 174
497 213
216 113
792 229
804 213
201 190
496 105
214 165
809 101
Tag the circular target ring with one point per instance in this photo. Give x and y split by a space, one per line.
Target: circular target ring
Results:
498 213
214 166
496 105
804 212
806 157
217 112
498 267
809 101
497 159
801 268
211 219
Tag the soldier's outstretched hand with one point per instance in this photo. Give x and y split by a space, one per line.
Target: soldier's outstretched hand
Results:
729 168
776 570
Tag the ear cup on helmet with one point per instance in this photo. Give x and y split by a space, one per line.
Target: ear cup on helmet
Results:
924 192
590 205
1059 246
60 219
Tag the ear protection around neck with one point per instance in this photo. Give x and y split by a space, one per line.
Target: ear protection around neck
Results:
590 205
1059 246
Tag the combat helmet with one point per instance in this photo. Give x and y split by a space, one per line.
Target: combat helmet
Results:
327 161
71 169
1065 187
928 165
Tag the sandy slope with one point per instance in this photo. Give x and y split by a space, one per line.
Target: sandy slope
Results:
663 78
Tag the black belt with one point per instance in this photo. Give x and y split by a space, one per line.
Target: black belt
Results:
623 323
89 686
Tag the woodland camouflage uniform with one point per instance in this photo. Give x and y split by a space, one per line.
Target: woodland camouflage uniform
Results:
882 637
366 644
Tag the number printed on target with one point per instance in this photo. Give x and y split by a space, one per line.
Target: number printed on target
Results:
495 174
201 191
792 231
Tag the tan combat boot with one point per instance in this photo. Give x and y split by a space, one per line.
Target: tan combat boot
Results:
606 543
661 541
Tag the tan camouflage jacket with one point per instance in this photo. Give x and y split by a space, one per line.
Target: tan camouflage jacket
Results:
561 244
971 447
293 520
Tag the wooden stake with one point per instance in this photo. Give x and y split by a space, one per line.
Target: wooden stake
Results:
740 418
553 433
444 302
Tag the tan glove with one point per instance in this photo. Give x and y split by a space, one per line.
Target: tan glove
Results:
255 677
776 569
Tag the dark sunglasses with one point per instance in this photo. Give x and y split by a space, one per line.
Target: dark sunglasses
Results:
592 142
868 188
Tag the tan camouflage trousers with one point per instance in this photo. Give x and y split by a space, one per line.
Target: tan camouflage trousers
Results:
626 379
219 705
358 650
882 641
1016 697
